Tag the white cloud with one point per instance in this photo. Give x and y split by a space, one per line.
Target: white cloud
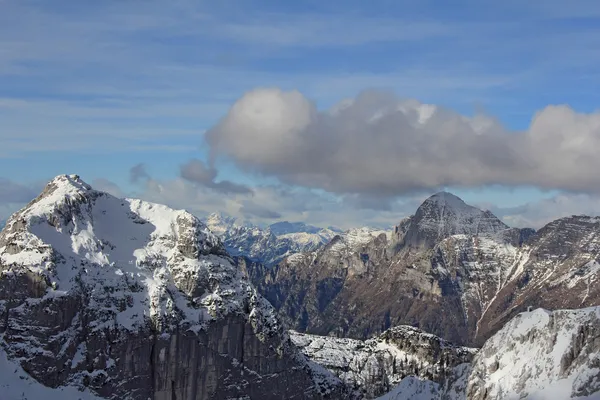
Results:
378 145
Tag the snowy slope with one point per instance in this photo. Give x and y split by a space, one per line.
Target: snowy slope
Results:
130 299
413 388
16 384
541 355
538 355
354 239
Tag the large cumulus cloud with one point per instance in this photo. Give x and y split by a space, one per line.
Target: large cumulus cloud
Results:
379 145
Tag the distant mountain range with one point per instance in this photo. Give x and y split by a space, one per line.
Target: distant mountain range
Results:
269 245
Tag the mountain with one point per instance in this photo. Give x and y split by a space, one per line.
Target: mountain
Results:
363 283
448 259
558 267
130 299
441 216
537 355
267 246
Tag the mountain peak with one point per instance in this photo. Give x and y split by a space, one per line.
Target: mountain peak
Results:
69 181
447 199
443 215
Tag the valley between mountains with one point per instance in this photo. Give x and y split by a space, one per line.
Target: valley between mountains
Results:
108 298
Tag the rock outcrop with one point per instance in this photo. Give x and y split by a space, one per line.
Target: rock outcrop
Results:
133 300
538 355
375 366
558 267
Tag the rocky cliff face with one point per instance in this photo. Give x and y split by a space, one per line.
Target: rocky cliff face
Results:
271 245
375 366
440 261
133 300
441 216
558 267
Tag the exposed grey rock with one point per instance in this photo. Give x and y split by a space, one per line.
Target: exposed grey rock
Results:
448 259
375 366
443 215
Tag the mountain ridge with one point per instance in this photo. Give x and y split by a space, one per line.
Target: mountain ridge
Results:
448 258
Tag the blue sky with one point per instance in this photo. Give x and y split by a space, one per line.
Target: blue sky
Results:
96 88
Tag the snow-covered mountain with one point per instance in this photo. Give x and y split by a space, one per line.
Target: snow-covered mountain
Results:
134 300
285 227
538 355
270 245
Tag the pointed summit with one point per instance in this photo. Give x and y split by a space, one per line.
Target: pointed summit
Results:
447 199
445 214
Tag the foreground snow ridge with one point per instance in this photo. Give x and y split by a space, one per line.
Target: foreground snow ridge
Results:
538 355
16 384
541 355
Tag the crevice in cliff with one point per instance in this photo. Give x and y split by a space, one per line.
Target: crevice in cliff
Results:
152 362
6 321
242 339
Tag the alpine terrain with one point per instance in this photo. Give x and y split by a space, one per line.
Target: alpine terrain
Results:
538 355
108 298
447 259
126 299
